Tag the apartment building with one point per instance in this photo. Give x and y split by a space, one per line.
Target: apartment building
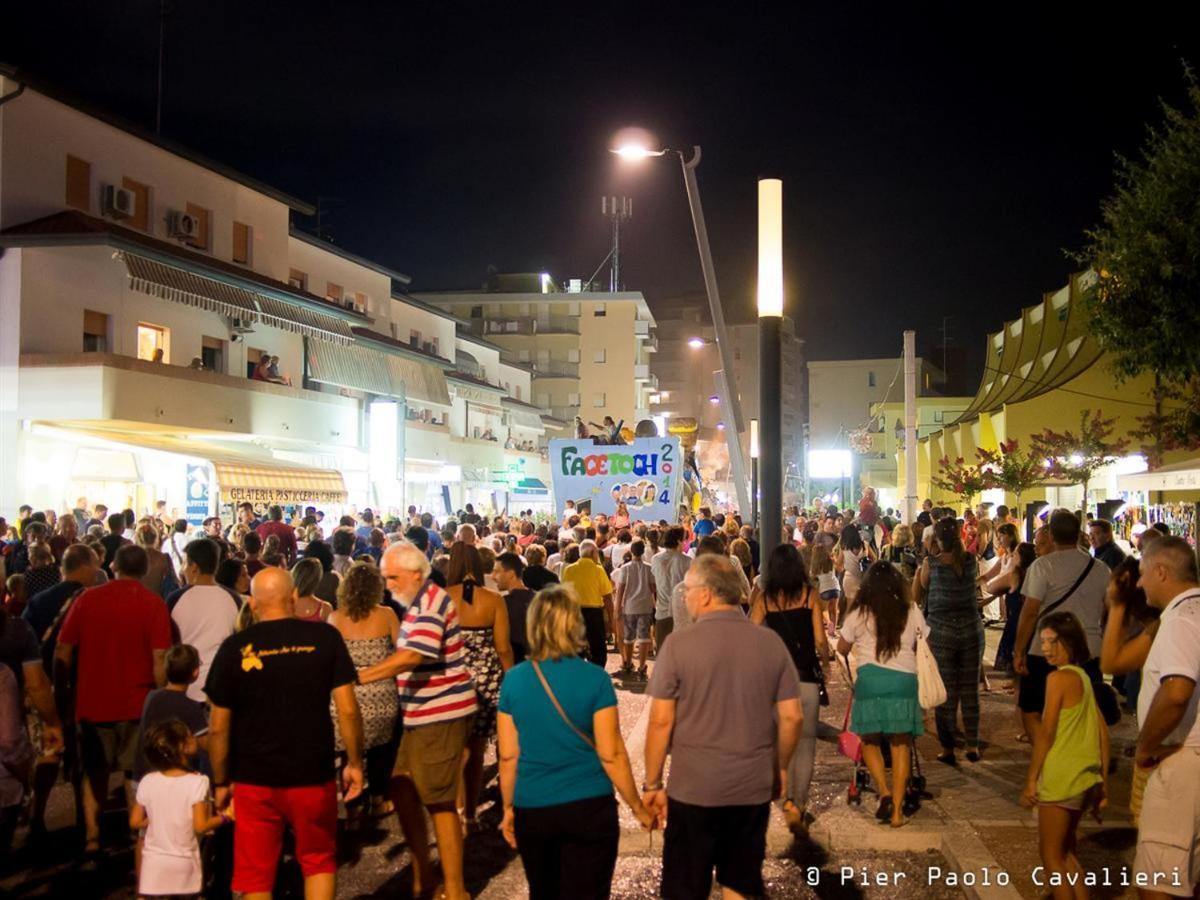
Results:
141 285
588 352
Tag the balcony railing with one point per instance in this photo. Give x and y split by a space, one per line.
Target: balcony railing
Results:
527 325
554 368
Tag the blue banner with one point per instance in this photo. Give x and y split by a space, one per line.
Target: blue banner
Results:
198 491
643 475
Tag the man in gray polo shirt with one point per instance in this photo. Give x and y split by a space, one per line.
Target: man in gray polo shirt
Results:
718 690
668 566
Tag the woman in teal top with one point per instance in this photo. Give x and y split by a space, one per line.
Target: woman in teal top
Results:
561 753
1068 772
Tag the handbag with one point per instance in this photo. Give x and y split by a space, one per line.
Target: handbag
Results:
558 706
849 743
818 674
931 690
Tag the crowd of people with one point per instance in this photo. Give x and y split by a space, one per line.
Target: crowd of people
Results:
246 680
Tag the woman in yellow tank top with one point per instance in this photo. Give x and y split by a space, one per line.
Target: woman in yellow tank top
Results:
1068 772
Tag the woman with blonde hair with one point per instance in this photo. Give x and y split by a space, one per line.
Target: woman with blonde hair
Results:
160 574
561 754
370 631
307 575
483 621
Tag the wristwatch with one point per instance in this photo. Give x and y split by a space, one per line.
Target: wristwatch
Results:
653 786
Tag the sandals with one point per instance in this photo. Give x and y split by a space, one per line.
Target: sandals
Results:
885 810
794 816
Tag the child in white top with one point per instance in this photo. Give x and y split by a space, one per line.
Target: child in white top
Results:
173 806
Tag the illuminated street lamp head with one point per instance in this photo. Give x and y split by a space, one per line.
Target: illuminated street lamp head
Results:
696 343
714 399
636 152
770 247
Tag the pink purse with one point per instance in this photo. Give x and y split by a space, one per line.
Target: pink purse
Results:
849 743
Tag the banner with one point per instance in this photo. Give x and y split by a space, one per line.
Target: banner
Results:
643 475
198 490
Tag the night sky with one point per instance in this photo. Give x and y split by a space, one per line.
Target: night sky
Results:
935 163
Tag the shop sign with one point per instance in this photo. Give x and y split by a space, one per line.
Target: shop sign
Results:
198 490
644 475
282 495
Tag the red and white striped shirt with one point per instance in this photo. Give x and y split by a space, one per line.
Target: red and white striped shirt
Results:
440 690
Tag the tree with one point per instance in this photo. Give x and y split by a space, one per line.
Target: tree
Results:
960 478
1145 303
1012 469
1075 458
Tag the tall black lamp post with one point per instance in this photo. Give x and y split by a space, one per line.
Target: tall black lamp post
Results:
770 321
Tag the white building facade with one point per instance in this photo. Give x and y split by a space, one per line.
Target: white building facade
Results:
139 287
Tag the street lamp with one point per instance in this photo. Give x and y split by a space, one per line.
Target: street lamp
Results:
731 409
754 473
770 320
696 343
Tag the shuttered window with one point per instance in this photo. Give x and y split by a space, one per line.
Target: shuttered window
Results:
79 183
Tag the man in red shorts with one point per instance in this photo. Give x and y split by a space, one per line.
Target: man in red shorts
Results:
271 739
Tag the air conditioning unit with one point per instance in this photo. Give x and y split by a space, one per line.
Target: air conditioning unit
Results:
241 326
118 203
183 226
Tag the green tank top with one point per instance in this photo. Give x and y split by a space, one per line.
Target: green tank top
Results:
1073 763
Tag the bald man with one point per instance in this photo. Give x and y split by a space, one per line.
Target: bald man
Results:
271 739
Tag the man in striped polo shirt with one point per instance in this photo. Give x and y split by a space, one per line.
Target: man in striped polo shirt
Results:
437 699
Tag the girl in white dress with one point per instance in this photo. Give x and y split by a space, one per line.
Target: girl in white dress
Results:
173 806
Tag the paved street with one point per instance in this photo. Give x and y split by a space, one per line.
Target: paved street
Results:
972 823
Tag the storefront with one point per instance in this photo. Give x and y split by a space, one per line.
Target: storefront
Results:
1169 495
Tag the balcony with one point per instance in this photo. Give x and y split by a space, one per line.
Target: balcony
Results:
643 374
554 368
531 325
643 329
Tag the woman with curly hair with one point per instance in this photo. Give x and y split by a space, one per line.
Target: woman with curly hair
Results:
370 631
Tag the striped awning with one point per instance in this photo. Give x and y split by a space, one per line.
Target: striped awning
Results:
525 419
302 320
357 368
238 482
169 283
418 381
149 276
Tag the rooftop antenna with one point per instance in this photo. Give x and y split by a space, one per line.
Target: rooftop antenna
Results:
618 209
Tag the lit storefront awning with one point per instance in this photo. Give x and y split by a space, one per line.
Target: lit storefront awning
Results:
1179 476
149 276
241 475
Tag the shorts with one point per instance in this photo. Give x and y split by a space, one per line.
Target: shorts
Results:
431 755
830 596
261 814
637 626
108 746
731 839
1031 696
1168 846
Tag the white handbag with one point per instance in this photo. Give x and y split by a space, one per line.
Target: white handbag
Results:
931 690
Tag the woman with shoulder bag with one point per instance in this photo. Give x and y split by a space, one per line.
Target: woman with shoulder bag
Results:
561 754
788 604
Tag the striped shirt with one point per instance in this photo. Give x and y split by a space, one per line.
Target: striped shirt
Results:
440 690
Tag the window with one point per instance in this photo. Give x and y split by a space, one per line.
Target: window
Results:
937 415
507 388
151 340
573 356
598 401
437 347
476 312
870 379
543 356
598 356
242 238
203 225
572 399
95 332
573 308
297 280
333 291
523 355
79 183
414 338
141 203
212 354
518 392
360 301
599 311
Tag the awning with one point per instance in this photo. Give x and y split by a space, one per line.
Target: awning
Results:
525 419
419 381
480 395
532 486
302 320
241 474
1179 476
352 367
238 482
169 283
180 285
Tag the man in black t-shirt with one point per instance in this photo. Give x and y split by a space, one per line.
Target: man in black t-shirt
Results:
508 574
271 736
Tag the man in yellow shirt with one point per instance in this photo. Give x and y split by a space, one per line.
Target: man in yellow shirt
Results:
595 593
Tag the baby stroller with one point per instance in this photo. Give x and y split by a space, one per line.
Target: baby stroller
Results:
850 746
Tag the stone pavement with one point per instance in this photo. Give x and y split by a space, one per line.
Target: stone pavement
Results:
971 824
